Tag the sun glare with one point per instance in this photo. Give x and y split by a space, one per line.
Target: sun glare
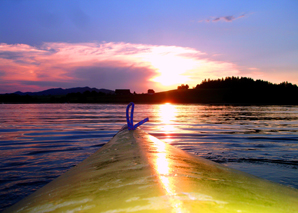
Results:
170 70
171 67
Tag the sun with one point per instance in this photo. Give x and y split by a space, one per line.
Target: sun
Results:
170 70
171 67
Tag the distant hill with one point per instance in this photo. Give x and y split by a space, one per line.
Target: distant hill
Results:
229 90
60 91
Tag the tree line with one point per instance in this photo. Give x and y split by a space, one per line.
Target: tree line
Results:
243 82
229 90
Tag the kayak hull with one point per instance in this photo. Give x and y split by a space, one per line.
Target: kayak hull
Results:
136 172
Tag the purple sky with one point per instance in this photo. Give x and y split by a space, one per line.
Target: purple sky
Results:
144 44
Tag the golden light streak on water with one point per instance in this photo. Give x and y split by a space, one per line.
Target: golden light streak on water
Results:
167 114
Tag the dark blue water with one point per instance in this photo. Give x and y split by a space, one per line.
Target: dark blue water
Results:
39 142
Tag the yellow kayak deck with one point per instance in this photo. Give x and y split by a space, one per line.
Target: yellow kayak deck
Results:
136 172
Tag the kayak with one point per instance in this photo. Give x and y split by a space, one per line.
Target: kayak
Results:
136 172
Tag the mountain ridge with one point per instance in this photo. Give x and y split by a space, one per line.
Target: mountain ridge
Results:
60 91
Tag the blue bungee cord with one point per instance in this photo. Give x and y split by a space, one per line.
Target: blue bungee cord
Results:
130 121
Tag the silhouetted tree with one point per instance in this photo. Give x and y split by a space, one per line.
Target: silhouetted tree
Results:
183 87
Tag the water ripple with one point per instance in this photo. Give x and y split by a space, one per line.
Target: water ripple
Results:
39 142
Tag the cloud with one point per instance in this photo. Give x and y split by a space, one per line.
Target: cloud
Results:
224 18
116 77
105 65
2 73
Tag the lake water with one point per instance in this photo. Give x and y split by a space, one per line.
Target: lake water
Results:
39 142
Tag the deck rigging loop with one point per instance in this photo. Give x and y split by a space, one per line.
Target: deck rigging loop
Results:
130 119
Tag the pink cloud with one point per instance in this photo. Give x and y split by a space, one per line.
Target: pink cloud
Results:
105 65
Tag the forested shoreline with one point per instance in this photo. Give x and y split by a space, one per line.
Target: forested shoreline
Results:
230 90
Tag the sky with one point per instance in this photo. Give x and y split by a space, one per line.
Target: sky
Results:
141 45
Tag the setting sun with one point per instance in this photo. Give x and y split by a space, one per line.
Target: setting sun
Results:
171 67
170 70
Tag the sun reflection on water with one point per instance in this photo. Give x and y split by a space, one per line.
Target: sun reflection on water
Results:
168 113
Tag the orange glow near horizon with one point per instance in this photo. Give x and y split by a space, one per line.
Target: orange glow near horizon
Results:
158 67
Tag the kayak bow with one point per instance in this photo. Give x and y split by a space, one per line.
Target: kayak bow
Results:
136 172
